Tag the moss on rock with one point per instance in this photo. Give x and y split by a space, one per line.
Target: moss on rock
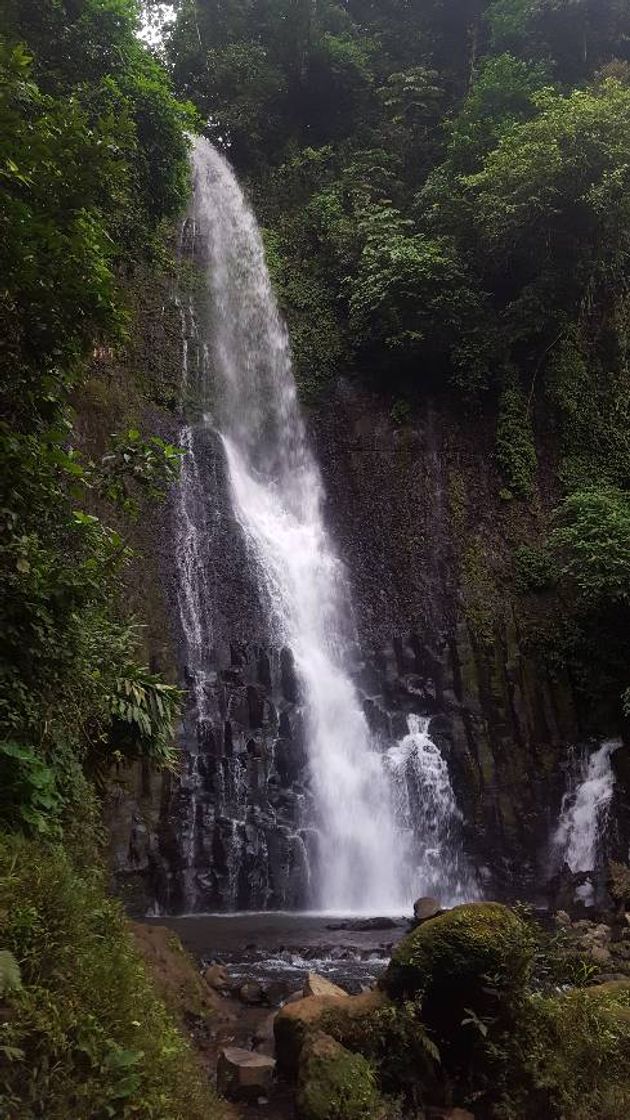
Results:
335 1084
452 962
297 1022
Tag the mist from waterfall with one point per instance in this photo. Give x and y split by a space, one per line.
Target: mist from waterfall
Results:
367 856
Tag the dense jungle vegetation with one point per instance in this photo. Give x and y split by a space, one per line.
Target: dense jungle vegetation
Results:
93 162
445 190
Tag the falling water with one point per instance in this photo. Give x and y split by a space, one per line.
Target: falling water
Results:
584 813
426 808
192 515
367 851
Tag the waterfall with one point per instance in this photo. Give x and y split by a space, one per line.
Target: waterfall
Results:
426 808
584 812
369 853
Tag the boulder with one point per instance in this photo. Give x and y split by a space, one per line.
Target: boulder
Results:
334 1082
296 1022
294 997
275 992
243 1074
251 993
600 954
364 925
263 1040
444 962
216 976
425 908
316 985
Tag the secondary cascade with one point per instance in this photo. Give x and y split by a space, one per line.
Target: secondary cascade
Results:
584 814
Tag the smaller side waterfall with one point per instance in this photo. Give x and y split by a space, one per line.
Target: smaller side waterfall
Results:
584 813
426 809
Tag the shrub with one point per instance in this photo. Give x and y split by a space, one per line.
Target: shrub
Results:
335 1084
570 1057
516 454
85 1034
593 539
29 798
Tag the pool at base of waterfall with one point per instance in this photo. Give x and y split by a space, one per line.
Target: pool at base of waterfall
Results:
280 948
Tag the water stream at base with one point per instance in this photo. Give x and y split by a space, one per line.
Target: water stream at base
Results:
387 823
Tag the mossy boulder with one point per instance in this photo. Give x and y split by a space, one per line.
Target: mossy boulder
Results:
467 958
335 1084
296 1022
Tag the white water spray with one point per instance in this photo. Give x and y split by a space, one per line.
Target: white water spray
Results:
584 812
426 808
367 856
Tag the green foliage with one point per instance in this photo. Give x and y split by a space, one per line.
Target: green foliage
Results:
143 710
336 1084
536 568
579 37
136 470
516 454
29 798
593 538
85 1034
91 160
395 1040
588 389
10 975
570 1057
93 157
502 95
411 296
563 174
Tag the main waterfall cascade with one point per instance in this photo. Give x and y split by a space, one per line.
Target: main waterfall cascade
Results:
577 840
376 823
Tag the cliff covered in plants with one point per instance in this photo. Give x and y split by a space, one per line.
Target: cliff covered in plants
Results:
443 187
93 162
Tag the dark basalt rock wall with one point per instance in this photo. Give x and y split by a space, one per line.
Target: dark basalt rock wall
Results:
416 513
418 517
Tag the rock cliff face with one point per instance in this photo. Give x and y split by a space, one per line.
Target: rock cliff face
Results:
416 513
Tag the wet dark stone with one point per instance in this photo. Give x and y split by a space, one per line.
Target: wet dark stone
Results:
364 924
255 705
227 738
290 689
264 670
